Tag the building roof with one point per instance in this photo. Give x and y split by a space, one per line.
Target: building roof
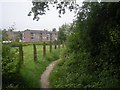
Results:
40 31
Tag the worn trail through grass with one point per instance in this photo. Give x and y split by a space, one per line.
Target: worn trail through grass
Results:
44 82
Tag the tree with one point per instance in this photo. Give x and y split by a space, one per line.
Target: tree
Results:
54 29
61 35
17 38
4 35
40 8
93 46
67 29
63 32
92 49
94 43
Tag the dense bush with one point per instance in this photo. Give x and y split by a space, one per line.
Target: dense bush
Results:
92 49
10 75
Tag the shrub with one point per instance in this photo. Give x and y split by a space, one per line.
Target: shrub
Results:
10 73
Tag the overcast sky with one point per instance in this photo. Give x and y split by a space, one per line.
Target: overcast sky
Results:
15 13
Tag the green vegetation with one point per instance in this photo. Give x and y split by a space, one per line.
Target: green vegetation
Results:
39 8
4 35
91 58
29 75
10 76
63 32
27 43
31 70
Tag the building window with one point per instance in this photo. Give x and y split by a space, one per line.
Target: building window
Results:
23 37
32 37
32 34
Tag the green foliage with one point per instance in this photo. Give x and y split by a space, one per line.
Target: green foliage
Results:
10 75
17 38
28 43
31 71
8 59
63 32
40 8
54 29
91 58
61 35
4 35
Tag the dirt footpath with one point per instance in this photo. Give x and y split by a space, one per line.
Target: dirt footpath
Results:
44 83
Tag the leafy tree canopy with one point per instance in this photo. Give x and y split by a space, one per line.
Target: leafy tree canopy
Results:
40 7
54 29
91 58
64 31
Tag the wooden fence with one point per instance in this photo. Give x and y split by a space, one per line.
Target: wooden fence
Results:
56 44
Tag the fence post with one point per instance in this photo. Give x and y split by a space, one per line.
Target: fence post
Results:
44 49
59 44
35 52
20 57
63 44
50 46
55 44
21 54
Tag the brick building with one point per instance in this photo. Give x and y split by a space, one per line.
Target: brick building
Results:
32 35
13 35
38 35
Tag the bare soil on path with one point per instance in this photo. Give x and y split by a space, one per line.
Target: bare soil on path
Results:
44 80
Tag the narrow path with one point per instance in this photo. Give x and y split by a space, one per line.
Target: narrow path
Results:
44 83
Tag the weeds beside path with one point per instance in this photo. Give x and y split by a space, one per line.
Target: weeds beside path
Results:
44 83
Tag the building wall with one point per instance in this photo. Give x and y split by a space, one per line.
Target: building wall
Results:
33 35
38 35
54 36
26 36
12 35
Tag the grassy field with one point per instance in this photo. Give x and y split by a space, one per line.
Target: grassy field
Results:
31 71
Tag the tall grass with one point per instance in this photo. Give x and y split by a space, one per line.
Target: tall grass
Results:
30 70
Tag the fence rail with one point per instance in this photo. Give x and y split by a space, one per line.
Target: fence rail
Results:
29 44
